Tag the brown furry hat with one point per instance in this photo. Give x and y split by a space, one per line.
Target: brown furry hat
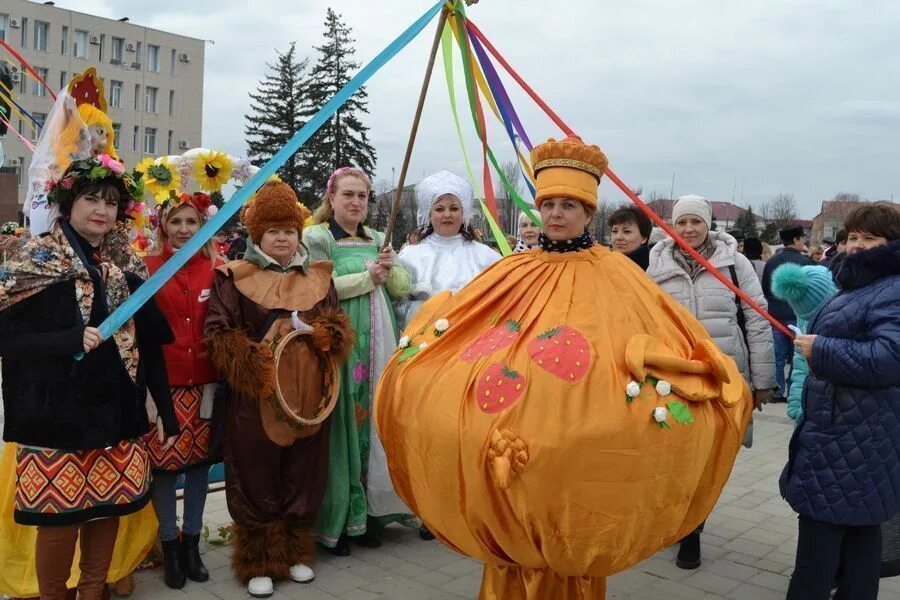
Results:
275 205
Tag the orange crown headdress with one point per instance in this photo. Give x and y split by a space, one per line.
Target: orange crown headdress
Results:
568 169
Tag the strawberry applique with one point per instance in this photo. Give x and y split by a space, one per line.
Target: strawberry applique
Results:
562 351
495 338
499 387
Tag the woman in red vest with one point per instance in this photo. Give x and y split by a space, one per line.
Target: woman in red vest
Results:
184 301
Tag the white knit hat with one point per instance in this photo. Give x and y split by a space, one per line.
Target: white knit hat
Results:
692 205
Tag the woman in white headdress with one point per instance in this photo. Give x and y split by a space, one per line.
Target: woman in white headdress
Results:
448 257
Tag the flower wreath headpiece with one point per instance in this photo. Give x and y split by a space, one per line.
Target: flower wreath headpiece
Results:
202 202
103 168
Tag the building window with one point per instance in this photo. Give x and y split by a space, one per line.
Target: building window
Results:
150 99
4 24
153 58
37 87
137 97
41 34
137 53
169 142
118 48
115 94
63 80
22 80
24 32
149 140
171 103
174 60
20 170
81 44
117 134
102 44
134 140
64 41
40 119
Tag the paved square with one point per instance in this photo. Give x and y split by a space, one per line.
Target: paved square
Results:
748 551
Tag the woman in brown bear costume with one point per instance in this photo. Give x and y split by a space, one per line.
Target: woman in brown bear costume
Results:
276 467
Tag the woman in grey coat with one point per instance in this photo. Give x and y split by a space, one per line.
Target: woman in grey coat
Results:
737 329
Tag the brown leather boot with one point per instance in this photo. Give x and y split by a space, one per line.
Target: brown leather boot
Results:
54 551
98 539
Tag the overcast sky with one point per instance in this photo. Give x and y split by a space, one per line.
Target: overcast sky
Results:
739 100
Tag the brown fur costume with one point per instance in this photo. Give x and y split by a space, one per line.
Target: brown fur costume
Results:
261 550
248 367
333 333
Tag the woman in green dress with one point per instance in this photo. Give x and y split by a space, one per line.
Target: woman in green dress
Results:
359 492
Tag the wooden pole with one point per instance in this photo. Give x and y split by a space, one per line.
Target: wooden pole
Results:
398 192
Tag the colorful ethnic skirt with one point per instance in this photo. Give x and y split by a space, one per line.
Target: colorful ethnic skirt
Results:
65 487
192 446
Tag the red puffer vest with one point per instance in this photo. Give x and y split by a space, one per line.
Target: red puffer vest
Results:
184 300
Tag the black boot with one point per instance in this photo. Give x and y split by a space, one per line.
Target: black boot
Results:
366 540
173 564
425 534
342 548
689 552
193 566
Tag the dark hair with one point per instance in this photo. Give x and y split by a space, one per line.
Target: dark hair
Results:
737 234
630 214
466 230
881 219
841 237
107 190
753 248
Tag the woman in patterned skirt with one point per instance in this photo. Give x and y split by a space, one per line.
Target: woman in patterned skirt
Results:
184 300
79 421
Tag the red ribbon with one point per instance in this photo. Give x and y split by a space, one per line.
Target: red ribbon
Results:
726 281
31 70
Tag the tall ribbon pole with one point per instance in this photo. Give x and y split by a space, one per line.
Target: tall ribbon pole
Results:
398 192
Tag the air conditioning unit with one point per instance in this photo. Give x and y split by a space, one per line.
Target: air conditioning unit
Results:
115 61
16 77
15 69
183 145
129 47
184 57
136 65
13 22
95 40
15 162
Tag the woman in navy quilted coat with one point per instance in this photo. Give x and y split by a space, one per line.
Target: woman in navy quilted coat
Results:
843 470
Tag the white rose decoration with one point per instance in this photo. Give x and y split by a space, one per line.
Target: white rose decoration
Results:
663 388
423 345
660 413
441 325
404 342
633 389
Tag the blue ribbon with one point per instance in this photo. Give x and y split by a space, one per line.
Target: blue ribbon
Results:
128 308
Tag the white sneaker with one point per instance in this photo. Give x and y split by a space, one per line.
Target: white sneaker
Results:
302 574
260 587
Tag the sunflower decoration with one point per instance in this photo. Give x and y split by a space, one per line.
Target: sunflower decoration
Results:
160 177
212 170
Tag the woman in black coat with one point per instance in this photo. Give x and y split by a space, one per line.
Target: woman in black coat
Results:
78 422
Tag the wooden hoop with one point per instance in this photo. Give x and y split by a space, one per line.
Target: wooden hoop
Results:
332 377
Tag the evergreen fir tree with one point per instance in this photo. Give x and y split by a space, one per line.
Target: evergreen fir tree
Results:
746 222
343 140
277 110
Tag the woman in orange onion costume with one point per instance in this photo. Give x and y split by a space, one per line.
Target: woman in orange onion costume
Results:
580 419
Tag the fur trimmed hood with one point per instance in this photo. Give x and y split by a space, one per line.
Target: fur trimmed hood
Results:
858 270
